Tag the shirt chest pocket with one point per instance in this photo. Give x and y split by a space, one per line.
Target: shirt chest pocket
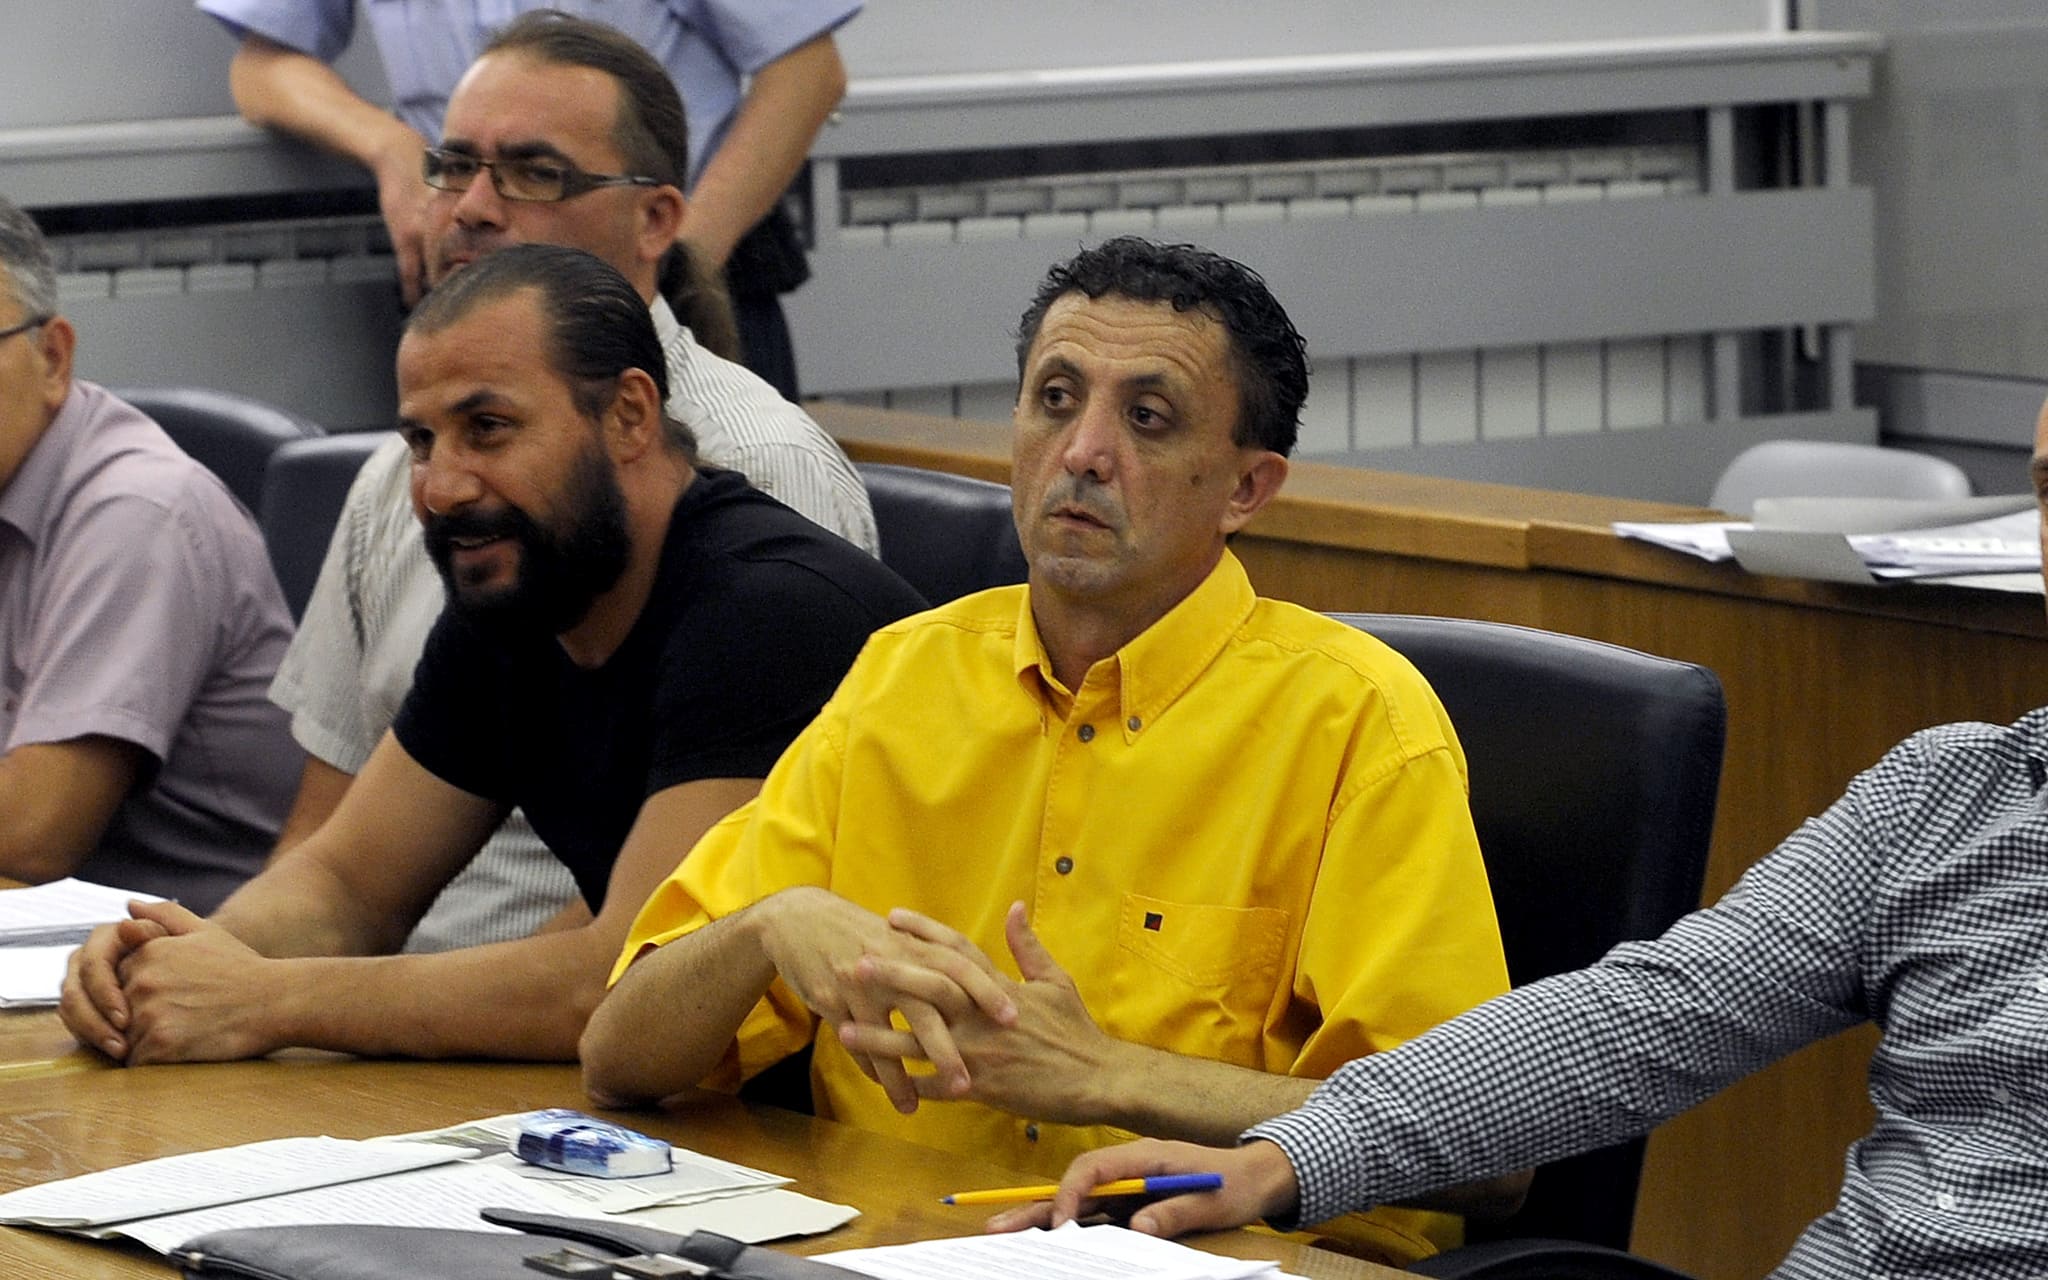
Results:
1197 978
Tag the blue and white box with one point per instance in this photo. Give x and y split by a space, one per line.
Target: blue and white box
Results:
577 1143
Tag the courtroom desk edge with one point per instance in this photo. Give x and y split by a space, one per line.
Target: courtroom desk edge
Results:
1596 551
978 449
1462 521
66 1125
1322 504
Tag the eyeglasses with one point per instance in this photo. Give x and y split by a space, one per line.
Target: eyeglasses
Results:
539 180
31 323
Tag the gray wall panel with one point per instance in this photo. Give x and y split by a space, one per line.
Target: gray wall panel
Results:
1493 277
97 60
1673 464
1343 89
324 352
1955 145
86 61
912 37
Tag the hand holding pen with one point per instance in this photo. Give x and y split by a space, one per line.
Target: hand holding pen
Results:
1251 1182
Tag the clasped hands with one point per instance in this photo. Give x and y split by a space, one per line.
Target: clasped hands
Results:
164 986
1026 1046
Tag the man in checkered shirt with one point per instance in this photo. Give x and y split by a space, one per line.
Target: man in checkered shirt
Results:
1919 901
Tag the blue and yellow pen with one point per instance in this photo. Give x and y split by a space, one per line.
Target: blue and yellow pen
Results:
1165 1184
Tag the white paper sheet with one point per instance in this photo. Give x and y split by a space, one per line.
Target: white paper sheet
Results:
694 1177
201 1179
2022 584
2007 544
446 1196
1706 541
754 1217
398 1182
1069 1253
1825 540
33 977
61 911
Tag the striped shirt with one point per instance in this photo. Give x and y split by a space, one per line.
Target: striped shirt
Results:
745 425
1919 902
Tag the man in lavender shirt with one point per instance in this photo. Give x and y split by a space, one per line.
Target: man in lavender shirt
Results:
140 625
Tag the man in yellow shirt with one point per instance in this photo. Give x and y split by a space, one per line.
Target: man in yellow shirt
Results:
1127 849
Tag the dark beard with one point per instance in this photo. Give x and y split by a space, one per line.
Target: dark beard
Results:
560 574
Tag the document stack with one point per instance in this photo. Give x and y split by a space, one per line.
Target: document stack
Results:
1986 543
41 926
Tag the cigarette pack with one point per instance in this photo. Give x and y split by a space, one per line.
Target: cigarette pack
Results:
577 1143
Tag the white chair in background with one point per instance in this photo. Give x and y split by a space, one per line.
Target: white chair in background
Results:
1825 469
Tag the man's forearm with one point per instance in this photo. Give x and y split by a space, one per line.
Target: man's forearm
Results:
527 999
280 88
298 907
56 800
321 787
1170 1095
1166 1095
785 106
671 1017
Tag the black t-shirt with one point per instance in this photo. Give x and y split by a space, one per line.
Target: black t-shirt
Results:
755 615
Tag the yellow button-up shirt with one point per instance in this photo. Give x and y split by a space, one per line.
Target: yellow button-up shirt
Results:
1245 837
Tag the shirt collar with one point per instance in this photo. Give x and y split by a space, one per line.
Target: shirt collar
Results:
1159 665
28 502
680 348
666 327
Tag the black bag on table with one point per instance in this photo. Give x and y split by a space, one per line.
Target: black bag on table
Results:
425 1253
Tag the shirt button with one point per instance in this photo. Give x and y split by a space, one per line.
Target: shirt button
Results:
2001 1095
1135 724
1031 1132
1063 864
2041 985
1086 733
1945 1201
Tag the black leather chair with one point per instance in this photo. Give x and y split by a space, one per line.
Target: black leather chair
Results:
232 434
1594 770
302 496
947 535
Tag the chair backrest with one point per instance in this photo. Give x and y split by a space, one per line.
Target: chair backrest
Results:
1594 770
303 493
232 435
947 535
1829 469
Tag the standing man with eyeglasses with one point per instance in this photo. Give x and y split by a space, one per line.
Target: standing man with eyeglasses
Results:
139 625
759 78
564 132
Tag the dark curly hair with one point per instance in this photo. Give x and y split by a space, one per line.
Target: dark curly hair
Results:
1270 357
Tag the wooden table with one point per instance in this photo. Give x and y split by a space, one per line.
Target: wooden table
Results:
34 1043
64 1124
1821 680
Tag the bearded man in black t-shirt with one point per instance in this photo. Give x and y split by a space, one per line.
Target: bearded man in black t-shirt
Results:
630 641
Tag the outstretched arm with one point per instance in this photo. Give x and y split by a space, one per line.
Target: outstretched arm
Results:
1055 1063
56 799
1052 1062
283 964
785 106
280 88
1258 1182
321 787
693 993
